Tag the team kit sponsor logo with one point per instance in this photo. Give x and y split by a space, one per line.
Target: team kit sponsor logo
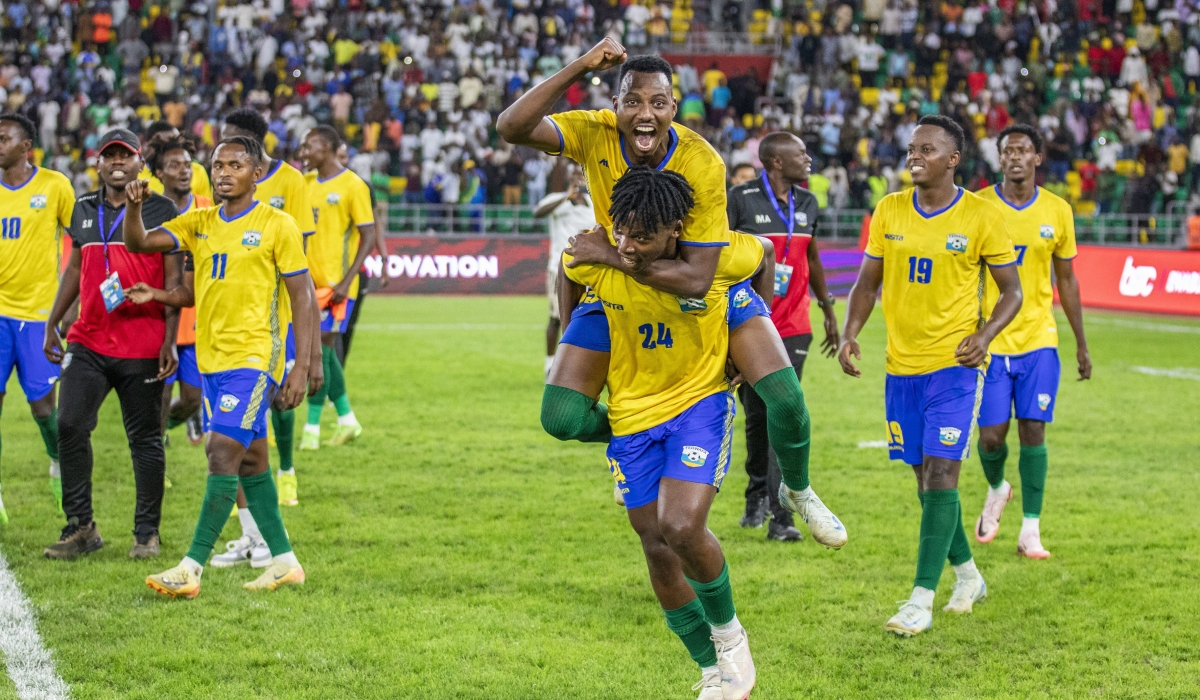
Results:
694 456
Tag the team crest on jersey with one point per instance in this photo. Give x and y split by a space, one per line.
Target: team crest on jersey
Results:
801 219
1047 231
229 402
1043 401
742 299
956 242
277 202
949 436
694 456
252 238
333 198
37 201
686 305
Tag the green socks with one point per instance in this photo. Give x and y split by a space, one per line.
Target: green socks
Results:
960 548
716 596
334 388
570 415
788 425
263 502
49 428
1033 466
284 423
218 501
993 464
693 629
938 514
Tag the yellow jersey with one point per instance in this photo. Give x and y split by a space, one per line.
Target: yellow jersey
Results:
201 185
340 205
33 216
591 139
1042 229
667 352
933 275
285 188
242 306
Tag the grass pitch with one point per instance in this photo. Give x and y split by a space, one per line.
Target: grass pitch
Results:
456 551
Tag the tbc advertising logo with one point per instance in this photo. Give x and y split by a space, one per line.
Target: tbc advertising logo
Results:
1137 281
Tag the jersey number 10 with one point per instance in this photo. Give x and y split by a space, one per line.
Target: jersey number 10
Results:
664 336
10 228
920 270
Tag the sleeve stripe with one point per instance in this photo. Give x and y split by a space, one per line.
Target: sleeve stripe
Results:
297 272
1014 262
562 144
697 244
173 237
369 223
307 233
1070 258
873 257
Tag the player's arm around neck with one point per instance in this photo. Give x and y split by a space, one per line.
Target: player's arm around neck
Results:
690 275
858 309
1068 294
137 239
972 351
304 312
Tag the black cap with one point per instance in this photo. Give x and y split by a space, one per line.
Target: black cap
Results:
124 137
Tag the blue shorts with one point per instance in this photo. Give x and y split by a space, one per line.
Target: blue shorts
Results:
289 353
188 371
21 347
693 446
1029 382
235 403
745 304
330 324
932 415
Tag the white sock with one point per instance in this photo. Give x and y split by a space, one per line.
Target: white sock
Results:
196 567
1029 524
705 670
314 428
922 597
55 471
249 527
1000 492
289 559
966 570
347 419
289 472
729 628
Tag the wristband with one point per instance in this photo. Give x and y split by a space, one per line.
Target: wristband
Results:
828 303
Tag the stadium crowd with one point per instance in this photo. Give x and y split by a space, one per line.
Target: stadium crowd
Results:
415 86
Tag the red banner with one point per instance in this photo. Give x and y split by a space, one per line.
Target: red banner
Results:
463 264
1160 281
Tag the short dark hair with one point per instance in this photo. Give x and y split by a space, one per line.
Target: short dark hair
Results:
739 166
329 135
24 122
645 64
161 147
768 147
650 196
249 120
253 148
157 128
949 126
1034 135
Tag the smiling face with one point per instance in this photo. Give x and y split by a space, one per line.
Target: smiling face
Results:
14 145
233 171
118 166
639 247
932 154
314 151
645 107
1018 158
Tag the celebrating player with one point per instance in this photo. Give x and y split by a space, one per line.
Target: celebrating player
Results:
250 264
35 206
671 414
345 235
929 248
606 143
1025 369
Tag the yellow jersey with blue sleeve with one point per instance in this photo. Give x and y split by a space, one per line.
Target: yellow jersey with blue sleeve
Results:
1042 229
242 305
33 216
201 184
285 188
591 139
934 265
667 352
340 205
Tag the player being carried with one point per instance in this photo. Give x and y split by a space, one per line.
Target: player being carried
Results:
929 248
1025 368
252 281
607 143
671 411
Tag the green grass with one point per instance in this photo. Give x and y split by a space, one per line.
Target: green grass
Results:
456 551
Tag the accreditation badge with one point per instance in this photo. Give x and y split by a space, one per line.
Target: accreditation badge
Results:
783 279
111 292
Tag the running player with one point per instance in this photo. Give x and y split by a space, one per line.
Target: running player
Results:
1025 369
606 143
929 248
35 207
672 418
200 185
345 235
248 255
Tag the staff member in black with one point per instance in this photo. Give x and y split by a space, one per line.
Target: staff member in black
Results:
774 205
114 345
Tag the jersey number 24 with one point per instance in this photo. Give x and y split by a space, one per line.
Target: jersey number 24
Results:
648 340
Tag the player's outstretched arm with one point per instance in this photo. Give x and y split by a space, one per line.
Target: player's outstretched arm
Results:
68 292
366 244
858 309
1068 294
137 239
524 122
181 296
304 311
972 351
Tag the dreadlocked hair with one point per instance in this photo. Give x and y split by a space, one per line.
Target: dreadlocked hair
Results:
161 145
651 197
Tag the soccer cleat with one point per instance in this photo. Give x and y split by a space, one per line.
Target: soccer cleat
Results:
167 482
709 686
144 547
260 555
988 525
756 512
783 533
75 540
618 496
276 575
56 491
310 440
825 527
346 433
176 582
195 434
967 592
737 668
1029 544
286 485
236 552
912 619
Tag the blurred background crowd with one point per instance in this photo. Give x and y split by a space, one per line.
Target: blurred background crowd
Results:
415 86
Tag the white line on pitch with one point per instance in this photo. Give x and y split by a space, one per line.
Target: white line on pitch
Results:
450 326
1176 373
1143 325
29 663
872 444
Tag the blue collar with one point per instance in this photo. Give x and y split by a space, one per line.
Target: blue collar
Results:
191 201
672 142
274 167
331 176
14 189
248 209
943 210
1024 206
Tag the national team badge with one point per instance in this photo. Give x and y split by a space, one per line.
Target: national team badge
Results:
742 299
1043 401
1046 230
686 305
229 402
277 202
956 242
37 201
252 238
801 219
333 198
694 456
949 436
